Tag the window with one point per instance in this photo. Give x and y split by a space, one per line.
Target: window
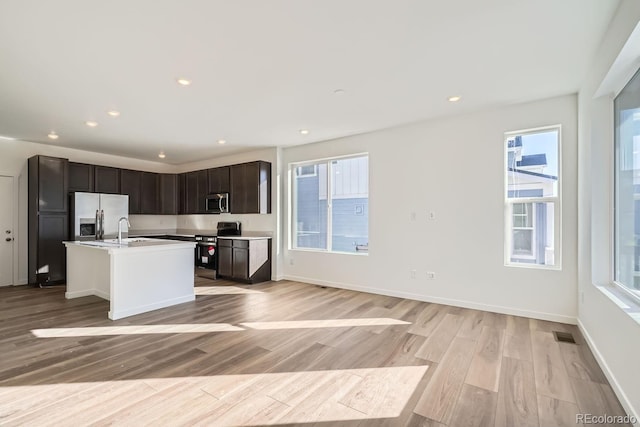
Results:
627 187
532 202
330 205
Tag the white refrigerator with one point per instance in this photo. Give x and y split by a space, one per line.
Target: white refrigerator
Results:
95 215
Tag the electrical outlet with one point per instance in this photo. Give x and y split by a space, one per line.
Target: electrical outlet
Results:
413 274
431 275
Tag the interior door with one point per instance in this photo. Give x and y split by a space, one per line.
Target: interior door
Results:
6 230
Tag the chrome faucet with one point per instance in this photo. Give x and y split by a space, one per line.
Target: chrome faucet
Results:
120 228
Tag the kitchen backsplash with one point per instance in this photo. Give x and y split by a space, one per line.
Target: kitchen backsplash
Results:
153 222
205 222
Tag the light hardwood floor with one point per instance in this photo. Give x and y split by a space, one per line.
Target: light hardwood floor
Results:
288 353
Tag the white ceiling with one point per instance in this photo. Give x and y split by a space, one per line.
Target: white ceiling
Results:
262 70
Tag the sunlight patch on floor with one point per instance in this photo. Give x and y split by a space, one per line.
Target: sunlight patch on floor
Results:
330 323
135 330
224 290
224 400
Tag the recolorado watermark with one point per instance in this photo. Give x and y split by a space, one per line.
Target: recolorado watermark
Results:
605 419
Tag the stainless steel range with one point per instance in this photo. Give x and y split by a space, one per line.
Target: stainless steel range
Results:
207 251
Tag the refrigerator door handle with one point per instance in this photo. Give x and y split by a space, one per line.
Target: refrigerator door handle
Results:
97 224
101 224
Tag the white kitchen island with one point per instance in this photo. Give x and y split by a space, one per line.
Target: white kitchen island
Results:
136 276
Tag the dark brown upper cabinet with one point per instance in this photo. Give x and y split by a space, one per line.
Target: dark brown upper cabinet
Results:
168 194
48 184
182 193
149 192
197 188
130 184
251 188
107 180
219 179
81 177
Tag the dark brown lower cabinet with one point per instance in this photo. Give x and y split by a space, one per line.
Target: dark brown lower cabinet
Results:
47 257
225 258
245 260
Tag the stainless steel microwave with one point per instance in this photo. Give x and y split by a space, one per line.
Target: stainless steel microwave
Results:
217 203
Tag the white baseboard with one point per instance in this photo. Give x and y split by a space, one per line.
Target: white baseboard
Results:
149 307
438 300
86 293
622 397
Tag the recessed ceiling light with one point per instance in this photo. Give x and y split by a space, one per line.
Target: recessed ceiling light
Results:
162 155
222 141
113 113
183 82
304 131
8 138
91 123
339 92
454 98
53 135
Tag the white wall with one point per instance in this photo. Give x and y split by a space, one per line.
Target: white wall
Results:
455 168
13 162
613 335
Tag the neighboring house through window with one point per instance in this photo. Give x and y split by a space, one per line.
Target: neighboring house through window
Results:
532 202
330 205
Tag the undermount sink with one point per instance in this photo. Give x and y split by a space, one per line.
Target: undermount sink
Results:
128 240
99 243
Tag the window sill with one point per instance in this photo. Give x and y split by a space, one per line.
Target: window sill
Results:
534 266
620 298
320 251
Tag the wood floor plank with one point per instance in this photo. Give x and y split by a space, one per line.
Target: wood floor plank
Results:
595 398
554 412
581 364
439 397
517 404
382 391
438 342
472 325
484 371
551 375
476 407
427 320
518 346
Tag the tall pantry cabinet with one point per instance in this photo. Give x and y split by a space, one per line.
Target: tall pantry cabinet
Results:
48 217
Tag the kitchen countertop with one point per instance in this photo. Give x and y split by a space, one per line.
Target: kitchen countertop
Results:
249 235
131 244
244 237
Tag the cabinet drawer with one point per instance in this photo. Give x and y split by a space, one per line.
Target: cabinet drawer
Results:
225 243
243 244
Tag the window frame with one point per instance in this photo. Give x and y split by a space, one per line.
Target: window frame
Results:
293 214
630 293
510 201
